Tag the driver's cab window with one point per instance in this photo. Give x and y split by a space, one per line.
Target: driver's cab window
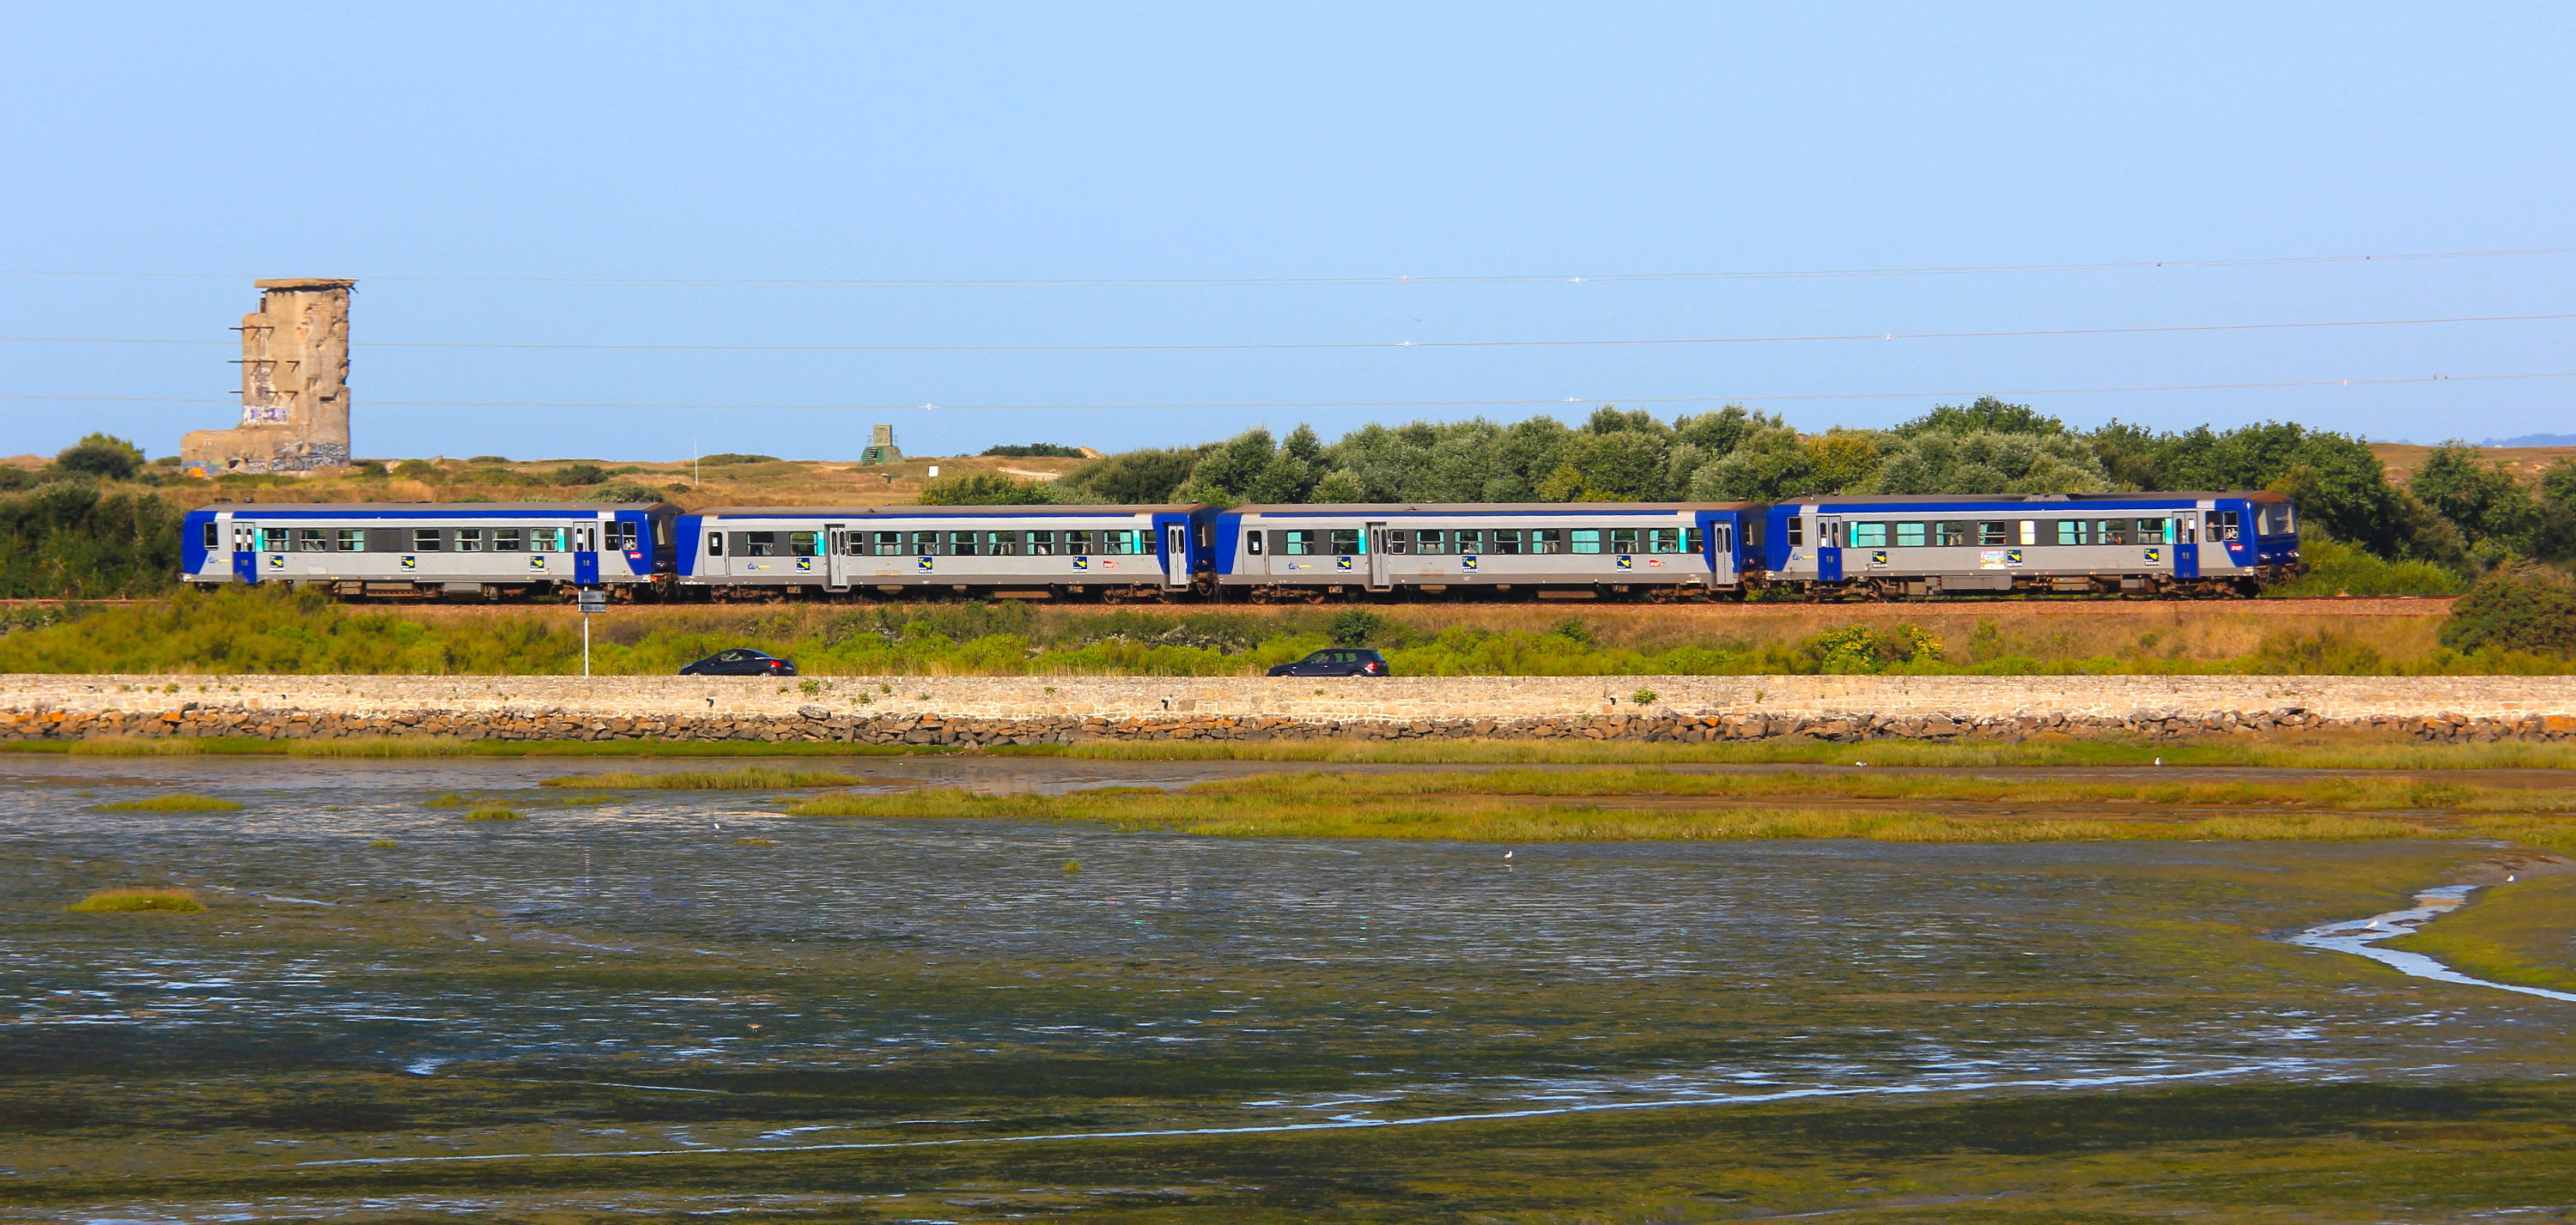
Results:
715 544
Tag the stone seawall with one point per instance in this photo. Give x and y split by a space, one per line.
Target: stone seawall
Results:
1036 710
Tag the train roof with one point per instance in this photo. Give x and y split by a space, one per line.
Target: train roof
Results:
2027 499
1483 508
451 508
1041 508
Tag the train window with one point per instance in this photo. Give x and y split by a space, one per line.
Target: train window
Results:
1395 540
1664 540
1624 540
760 544
1003 544
1797 530
2112 531
715 544
310 540
805 544
1584 540
508 540
469 540
964 544
1507 540
1252 541
1297 542
2223 525
1346 541
426 539
1468 541
886 544
1041 544
2074 531
2030 531
661 531
2276 519
1725 539
210 536
1431 540
1909 535
545 540
925 544
351 539
1077 544
1951 532
1992 532
2154 531
1125 540
1549 540
1871 535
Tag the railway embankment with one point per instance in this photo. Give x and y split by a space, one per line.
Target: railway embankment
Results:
1040 710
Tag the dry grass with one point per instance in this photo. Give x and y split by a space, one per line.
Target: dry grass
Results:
749 778
174 802
126 901
781 483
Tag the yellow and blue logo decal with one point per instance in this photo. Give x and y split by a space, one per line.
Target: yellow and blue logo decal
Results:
2013 557
923 565
1878 557
1467 561
805 563
536 561
410 562
1081 563
277 561
1341 563
2155 554
1626 562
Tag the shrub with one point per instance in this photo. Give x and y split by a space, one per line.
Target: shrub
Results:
2517 607
415 470
580 474
175 802
494 814
1034 450
736 457
2336 568
1355 626
67 539
986 489
102 455
623 491
488 459
125 901
1643 697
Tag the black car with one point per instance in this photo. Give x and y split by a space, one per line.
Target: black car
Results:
1336 661
740 661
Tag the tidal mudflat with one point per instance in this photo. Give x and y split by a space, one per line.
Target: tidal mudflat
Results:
635 1004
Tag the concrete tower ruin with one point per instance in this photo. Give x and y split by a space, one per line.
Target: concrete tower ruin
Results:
295 384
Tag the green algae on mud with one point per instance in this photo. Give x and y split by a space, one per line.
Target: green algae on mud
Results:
2306 750
2523 932
180 802
748 778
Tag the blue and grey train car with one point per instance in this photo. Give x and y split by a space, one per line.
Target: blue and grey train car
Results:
2133 543
1112 552
1504 549
426 549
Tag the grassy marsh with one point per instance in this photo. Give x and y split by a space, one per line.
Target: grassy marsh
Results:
748 778
495 812
143 898
176 802
2523 932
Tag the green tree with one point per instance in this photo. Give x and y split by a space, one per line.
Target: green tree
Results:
1987 415
1131 478
67 540
2516 608
1986 461
102 455
2497 514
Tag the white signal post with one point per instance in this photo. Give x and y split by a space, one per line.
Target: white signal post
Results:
591 603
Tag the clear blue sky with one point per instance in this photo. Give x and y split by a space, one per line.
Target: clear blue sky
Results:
199 147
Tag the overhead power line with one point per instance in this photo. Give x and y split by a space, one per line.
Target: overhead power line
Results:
1203 405
1518 278
1275 346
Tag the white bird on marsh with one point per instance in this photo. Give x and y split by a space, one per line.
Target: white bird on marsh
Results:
1508 854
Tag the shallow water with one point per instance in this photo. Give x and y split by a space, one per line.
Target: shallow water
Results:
874 982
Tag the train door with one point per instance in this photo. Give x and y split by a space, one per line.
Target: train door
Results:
1176 554
585 554
1829 550
839 542
2185 546
1375 536
245 548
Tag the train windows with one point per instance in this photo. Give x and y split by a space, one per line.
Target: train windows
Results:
1952 532
715 544
1909 535
964 544
1252 542
2030 531
1042 544
1468 541
925 544
885 544
1115 541
545 540
621 537
1992 532
350 539
509 540
805 544
210 537
1003 544
1547 540
1664 540
2154 531
469 540
760 544
1297 542
1870 535
1077 544
309 540
1625 540
1797 526
1395 540
2074 531
1346 541
1431 540
426 539
1507 540
1725 539
1583 540
2276 519
2224 525
2112 531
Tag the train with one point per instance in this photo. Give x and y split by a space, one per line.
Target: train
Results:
1821 548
